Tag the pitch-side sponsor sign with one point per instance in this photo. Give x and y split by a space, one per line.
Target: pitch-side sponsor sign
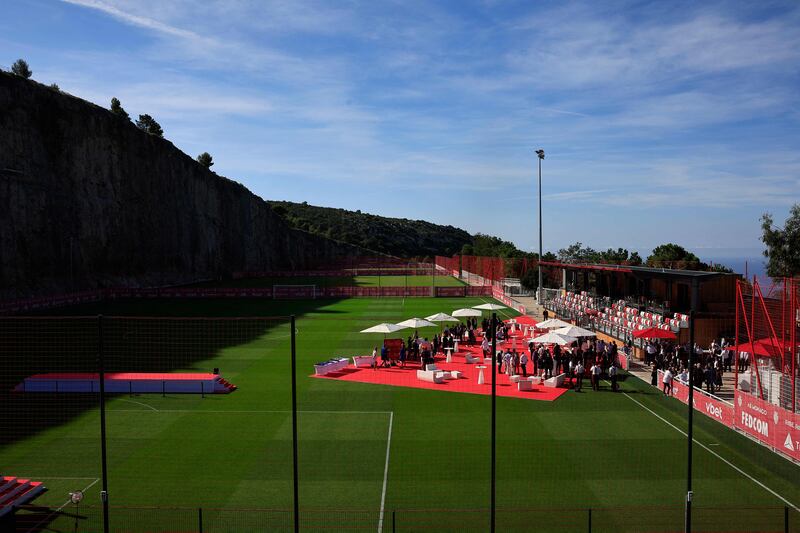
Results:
776 427
717 409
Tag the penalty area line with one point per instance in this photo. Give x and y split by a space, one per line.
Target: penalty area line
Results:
385 472
45 519
200 411
715 454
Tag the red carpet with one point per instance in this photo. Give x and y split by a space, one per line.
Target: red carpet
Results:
407 377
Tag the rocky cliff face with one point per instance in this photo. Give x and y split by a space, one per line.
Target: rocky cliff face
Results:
88 200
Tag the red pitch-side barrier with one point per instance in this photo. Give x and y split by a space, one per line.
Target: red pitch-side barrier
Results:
769 424
715 408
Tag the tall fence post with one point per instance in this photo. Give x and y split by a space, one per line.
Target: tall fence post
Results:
494 419
394 521
294 431
590 520
786 519
688 518
200 519
101 375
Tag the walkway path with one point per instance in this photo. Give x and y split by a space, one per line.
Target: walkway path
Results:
725 393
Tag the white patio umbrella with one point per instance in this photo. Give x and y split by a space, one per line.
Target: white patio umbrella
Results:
384 328
490 307
467 312
574 331
552 323
416 323
441 317
553 338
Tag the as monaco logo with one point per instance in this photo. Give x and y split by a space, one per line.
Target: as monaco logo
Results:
775 417
739 400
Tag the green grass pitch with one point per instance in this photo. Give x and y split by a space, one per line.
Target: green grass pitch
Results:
620 454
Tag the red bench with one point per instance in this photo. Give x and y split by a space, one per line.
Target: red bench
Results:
15 492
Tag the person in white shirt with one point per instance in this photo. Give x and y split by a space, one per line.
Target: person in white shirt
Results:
579 376
612 374
596 370
375 358
667 382
523 362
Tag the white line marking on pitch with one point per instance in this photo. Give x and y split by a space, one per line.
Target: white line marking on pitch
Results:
45 519
386 471
715 454
56 477
200 411
138 403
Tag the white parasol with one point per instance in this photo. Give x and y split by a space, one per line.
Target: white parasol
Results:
490 307
552 323
553 338
416 323
467 312
574 331
441 317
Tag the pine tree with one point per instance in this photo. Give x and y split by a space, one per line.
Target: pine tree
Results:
205 159
21 68
148 124
118 110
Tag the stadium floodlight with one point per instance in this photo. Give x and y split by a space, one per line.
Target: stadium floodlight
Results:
540 153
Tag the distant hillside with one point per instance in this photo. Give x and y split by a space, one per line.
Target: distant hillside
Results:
394 236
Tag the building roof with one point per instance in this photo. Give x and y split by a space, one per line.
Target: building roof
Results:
641 270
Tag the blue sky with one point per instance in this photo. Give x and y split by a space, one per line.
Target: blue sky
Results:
661 122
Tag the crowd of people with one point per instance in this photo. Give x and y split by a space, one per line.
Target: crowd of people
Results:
710 364
596 357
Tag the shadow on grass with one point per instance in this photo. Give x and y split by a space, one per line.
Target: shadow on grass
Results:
135 339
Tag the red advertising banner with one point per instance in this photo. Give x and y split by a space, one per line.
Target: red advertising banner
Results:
771 425
450 292
712 407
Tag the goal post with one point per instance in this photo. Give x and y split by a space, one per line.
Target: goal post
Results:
290 292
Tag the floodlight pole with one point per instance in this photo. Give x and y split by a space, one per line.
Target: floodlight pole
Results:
101 375
294 430
540 154
688 520
494 419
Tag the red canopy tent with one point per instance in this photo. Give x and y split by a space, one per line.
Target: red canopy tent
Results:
654 333
764 349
